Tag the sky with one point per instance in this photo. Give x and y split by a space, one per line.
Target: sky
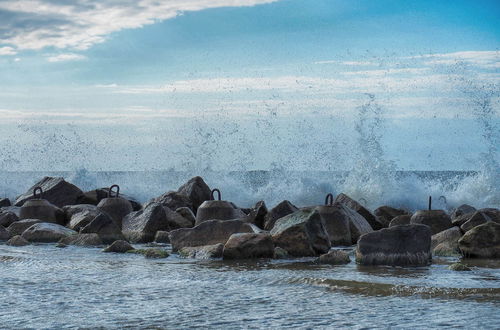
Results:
258 84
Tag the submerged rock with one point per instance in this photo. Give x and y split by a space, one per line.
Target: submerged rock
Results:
400 220
162 237
334 257
437 220
249 246
45 232
301 234
141 226
18 227
105 227
82 240
385 214
445 243
202 252
482 241
279 211
337 223
151 253
17 240
459 267
403 245
357 207
196 190
55 190
209 233
119 246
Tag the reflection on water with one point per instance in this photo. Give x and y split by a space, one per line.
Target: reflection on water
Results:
46 287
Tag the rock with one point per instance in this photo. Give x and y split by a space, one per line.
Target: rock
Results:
173 200
357 224
94 197
301 234
482 241
80 220
82 240
17 241
334 257
400 220
248 246
175 220
56 191
461 210
336 220
209 233
43 210
203 252
4 202
18 227
162 237
151 253
279 211
479 217
445 243
217 210
364 212
7 218
45 232
119 246
437 220
187 214
105 227
257 214
280 253
116 207
459 267
71 210
460 220
141 226
4 234
385 214
403 245
196 190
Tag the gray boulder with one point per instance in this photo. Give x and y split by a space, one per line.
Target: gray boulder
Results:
43 210
141 226
162 237
461 219
279 211
218 210
248 246
400 220
364 212
80 220
479 217
116 207
55 190
202 252
461 210
209 233
94 197
385 214
119 246
82 240
445 243
4 202
334 257
7 218
482 241
17 241
70 210
336 219
301 234
196 190
280 253
437 220
187 214
176 220
45 232
257 214
105 227
403 245
18 227
4 234
173 200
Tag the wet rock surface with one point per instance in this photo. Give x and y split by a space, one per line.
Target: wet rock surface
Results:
18 227
400 220
18 240
105 227
445 243
385 214
337 223
203 252
334 257
249 246
363 211
46 233
82 240
482 241
279 211
56 190
141 226
119 246
437 220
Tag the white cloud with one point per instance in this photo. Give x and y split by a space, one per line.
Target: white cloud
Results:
66 57
7 51
36 24
485 59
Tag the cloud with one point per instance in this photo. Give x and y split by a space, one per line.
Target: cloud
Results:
484 59
36 24
66 57
7 51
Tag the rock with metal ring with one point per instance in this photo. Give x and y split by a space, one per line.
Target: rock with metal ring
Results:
115 206
41 209
217 210
336 224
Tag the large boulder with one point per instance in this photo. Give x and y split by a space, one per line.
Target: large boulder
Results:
257 214
202 252
337 224
141 226
400 220
81 219
173 200
4 234
105 227
116 207
334 257
249 246
17 241
55 190
196 190
279 211
95 196
461 219
218 210
437 220
176 220
403 245
4 202
461 210
119 246
301 234
364 212
162 237
209 233
385 214
18 227
71 210
45 232
479 217
7 217
482 241
445 243
82 240
188 215
43 210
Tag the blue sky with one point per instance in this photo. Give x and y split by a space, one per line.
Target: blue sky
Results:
272 82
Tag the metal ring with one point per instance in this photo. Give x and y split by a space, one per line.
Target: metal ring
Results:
212 194
38 189
329 199
111 190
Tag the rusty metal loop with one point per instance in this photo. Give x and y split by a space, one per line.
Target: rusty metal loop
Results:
110 191
38 189
212 194
329 199
430 203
